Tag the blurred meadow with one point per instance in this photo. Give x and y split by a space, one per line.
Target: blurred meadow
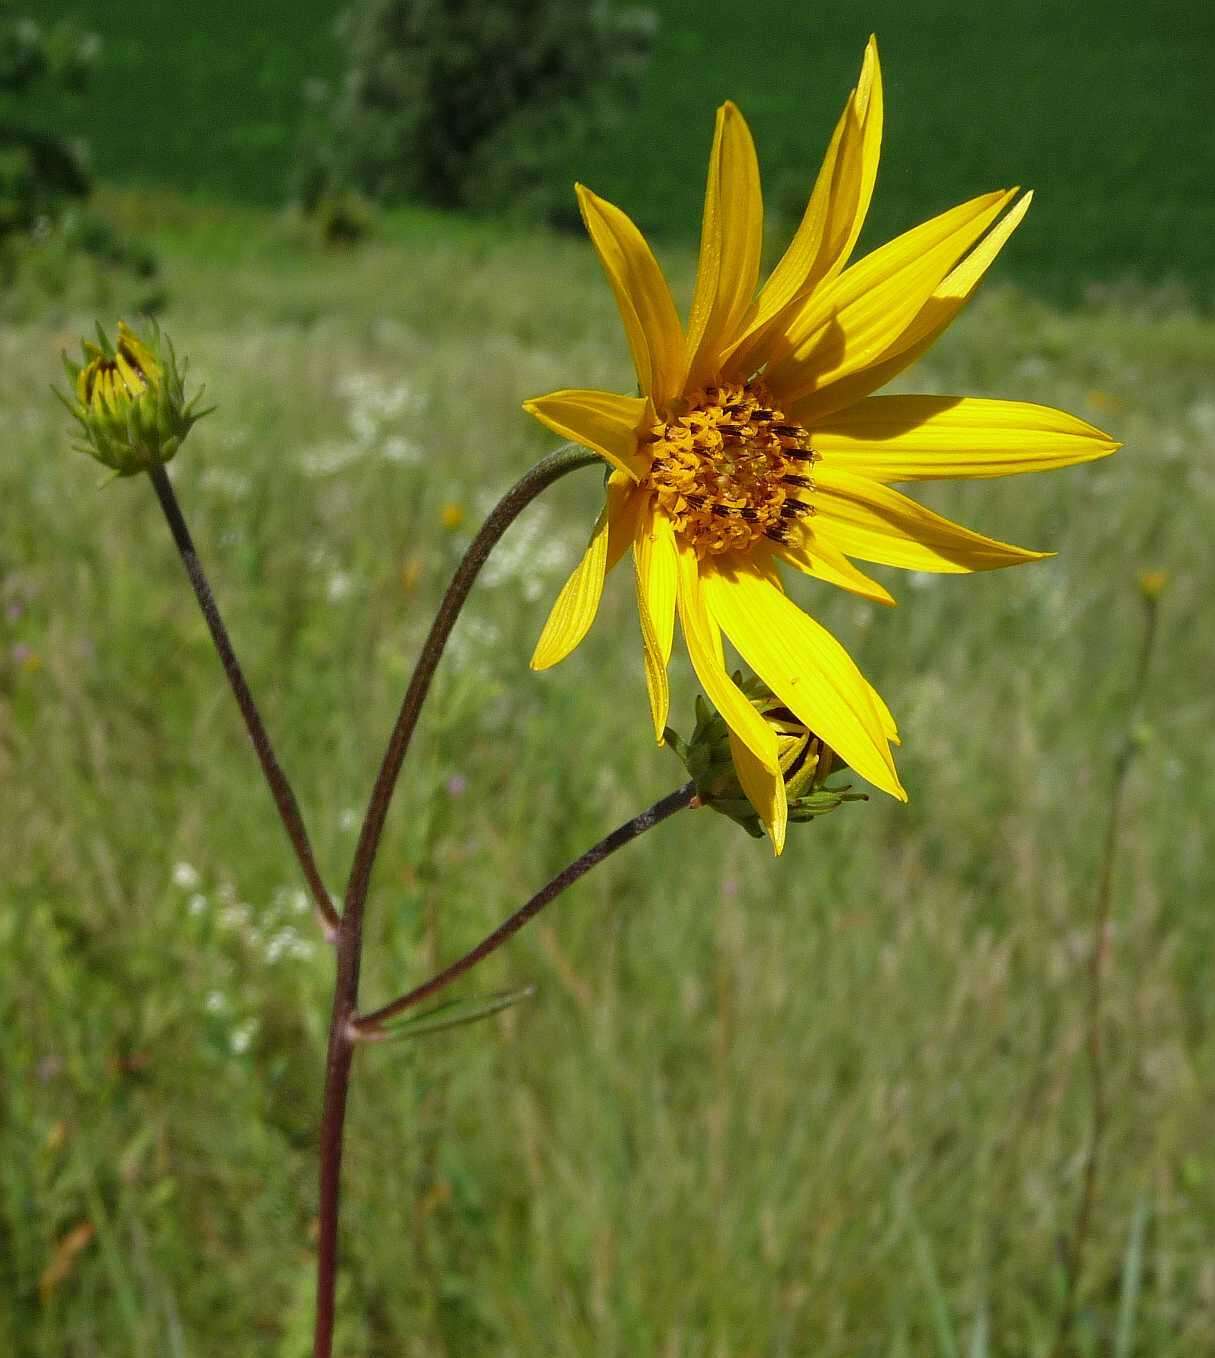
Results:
831 1105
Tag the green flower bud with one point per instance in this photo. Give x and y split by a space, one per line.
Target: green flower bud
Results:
804 759
129 399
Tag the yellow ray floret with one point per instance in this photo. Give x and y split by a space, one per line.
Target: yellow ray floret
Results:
918 438
657 567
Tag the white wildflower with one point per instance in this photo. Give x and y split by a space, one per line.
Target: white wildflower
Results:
185 875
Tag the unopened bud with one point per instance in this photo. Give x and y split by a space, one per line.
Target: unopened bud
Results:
804 760
129 399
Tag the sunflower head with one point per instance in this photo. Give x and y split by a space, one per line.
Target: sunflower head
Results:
805 762
128 396
758 449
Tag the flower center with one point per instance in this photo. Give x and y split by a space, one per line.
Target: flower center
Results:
731 470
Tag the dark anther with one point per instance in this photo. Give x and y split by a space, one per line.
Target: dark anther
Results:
749 514
801 454
794 509
737 408
724 511
777 533
696 501
789 431
803 481
799 759
761 414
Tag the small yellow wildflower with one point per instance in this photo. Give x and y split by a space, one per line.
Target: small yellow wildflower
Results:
452 516
756 442
1152 584
411 572
1104 400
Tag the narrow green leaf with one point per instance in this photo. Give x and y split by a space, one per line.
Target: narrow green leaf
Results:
455 1013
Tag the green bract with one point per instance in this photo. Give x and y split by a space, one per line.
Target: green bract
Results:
129 399
804 760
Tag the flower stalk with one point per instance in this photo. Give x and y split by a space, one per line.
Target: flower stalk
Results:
348 1030
557 464
280 787
349 940
373 1027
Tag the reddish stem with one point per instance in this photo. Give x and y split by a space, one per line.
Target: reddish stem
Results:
350 929
371 1026
280 788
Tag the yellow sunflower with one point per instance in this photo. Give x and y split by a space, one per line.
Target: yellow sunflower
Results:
755 441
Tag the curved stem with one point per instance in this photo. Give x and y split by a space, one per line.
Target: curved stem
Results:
350 927
280 788
557 464
370 1026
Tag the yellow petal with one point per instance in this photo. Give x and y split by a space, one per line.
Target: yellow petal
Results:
578 602
822 550
916 438
646 307
846 326
130 378
657 687
870 105
959 285
814 556
730 241
833 217
885 716
804 665
657 572
765 791
600 420
877 523
704 648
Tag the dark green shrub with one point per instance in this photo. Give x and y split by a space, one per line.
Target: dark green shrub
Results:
44 179
473 103
39 174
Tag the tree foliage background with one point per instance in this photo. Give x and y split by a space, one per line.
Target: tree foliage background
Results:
465 104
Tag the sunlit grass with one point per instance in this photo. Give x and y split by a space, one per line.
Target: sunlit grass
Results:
833 1104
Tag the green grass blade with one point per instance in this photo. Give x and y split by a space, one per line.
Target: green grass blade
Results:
1132 1273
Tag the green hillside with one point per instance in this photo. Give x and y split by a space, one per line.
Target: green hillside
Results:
1067 99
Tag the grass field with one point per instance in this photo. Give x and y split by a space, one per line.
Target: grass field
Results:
831 1105
1107 110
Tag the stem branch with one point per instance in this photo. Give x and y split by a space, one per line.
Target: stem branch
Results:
370 1026
350 926
280 788
549 469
